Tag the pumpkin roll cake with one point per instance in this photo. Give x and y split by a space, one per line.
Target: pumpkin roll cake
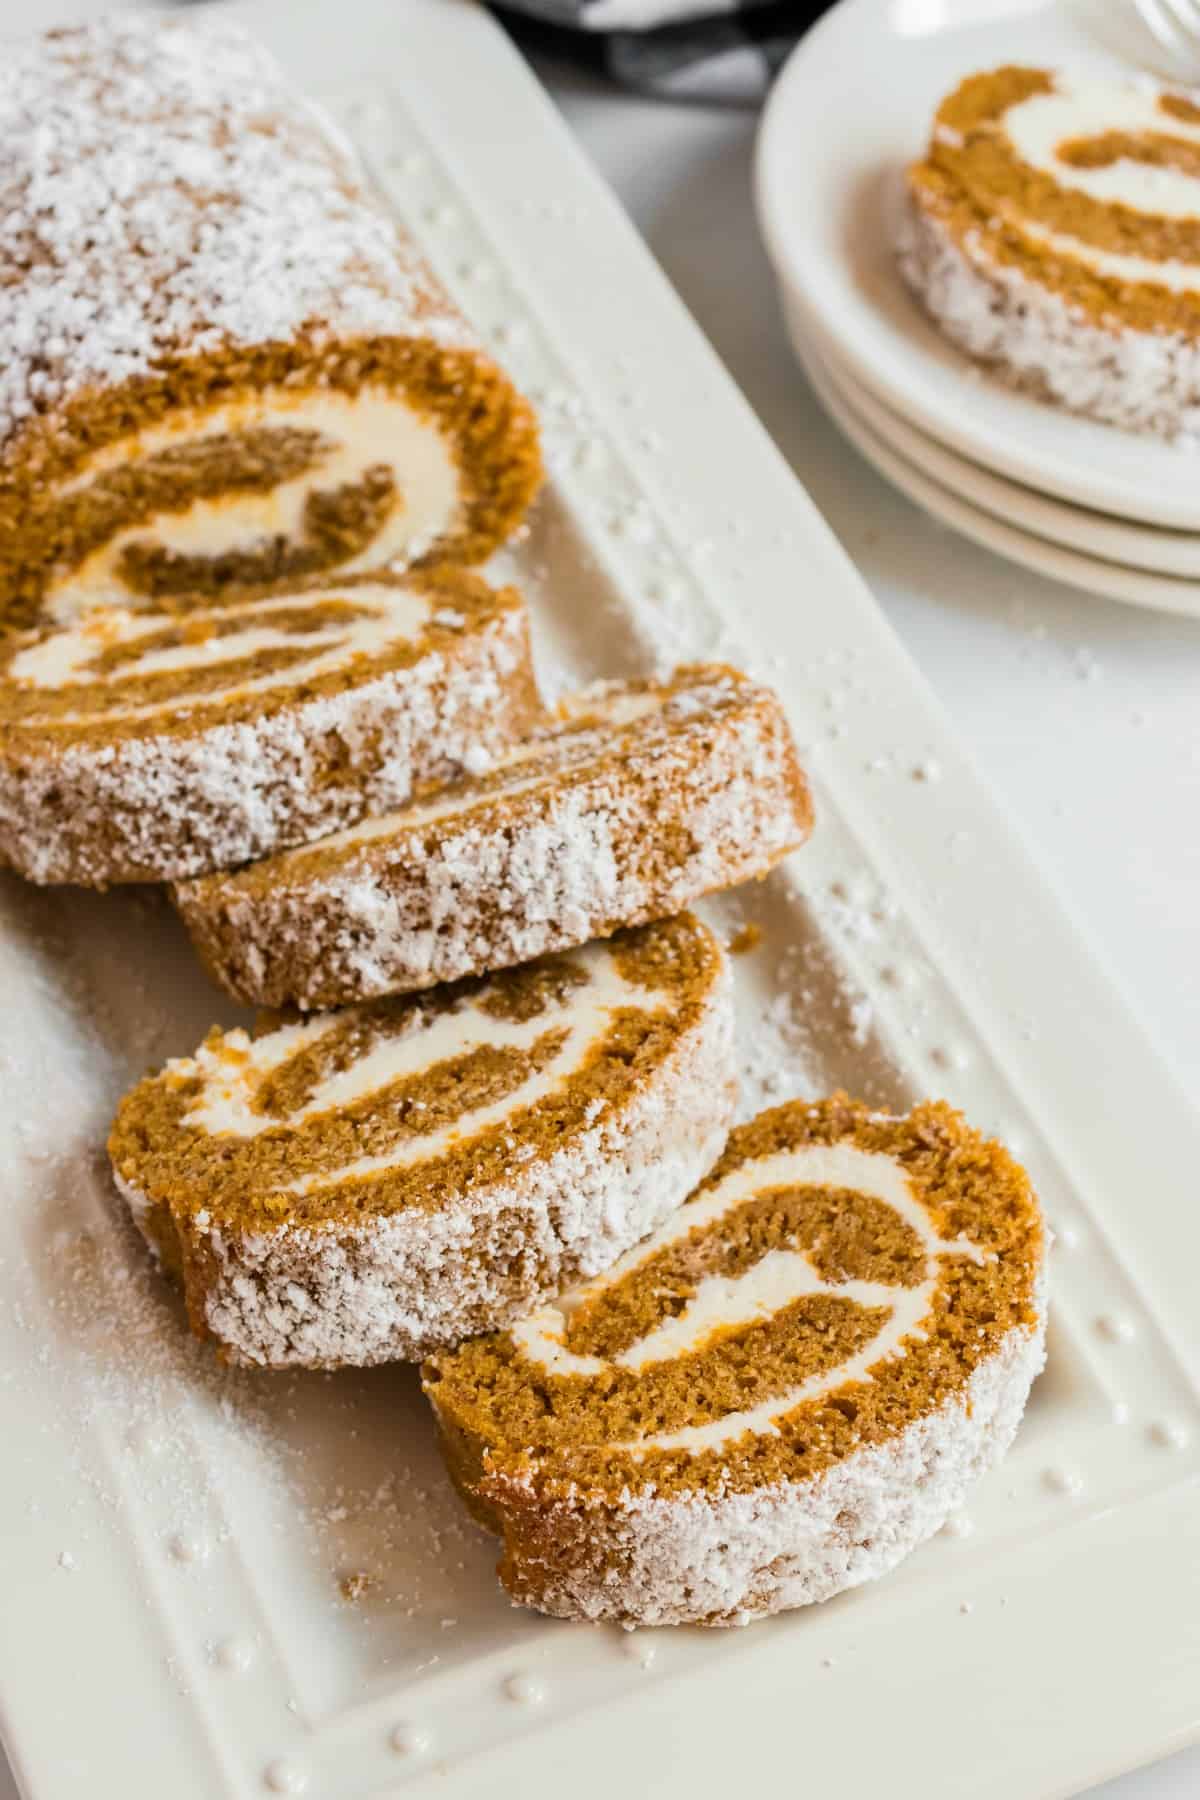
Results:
380 1182
154 744
1053 231
220 361
637 799
778 1394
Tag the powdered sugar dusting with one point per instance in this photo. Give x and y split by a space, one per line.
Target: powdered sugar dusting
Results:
163 192
650 1559
775 1056
313 1476
543 865
1031 335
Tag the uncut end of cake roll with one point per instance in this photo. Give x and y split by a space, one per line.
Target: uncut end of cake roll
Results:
1053 231
220 361
372 1184
778 1394
640 797
159 743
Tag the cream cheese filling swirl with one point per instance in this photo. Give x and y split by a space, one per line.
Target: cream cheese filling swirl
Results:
1115 146
1099 175
778 1279
116 666
281 485
401 1045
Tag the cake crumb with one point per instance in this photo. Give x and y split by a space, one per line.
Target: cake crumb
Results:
745 940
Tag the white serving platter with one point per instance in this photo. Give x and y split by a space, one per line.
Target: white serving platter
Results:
828 193
173 1538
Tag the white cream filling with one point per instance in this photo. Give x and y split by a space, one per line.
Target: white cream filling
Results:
1075 109
614 708
1180 277
777 1280
1080 109
233 1074
384 615
372 427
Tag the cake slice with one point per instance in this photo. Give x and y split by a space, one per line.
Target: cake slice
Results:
640 797
221 361
156 744
1052 230
779 1393
375 1183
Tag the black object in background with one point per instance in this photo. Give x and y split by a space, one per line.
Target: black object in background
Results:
685 52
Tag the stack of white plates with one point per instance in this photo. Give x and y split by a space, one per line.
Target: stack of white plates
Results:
1106 510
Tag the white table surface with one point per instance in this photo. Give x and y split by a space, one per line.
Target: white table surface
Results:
1084 715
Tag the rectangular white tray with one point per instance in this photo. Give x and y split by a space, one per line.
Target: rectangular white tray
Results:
163 1524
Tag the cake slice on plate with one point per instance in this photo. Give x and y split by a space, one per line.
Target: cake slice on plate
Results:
1053 231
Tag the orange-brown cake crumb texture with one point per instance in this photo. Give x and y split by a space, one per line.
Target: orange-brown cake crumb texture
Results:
746 939
848 1304
637 799
975 180
1054 230
369 1184
243 373
150 744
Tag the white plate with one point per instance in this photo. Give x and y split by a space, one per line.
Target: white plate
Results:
163 1524
842 401
850 109
1094 535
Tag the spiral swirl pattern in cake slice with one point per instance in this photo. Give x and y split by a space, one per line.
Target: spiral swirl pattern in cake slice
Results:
775 1396
156 744
374 1183
1053 230
221 362
637 799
